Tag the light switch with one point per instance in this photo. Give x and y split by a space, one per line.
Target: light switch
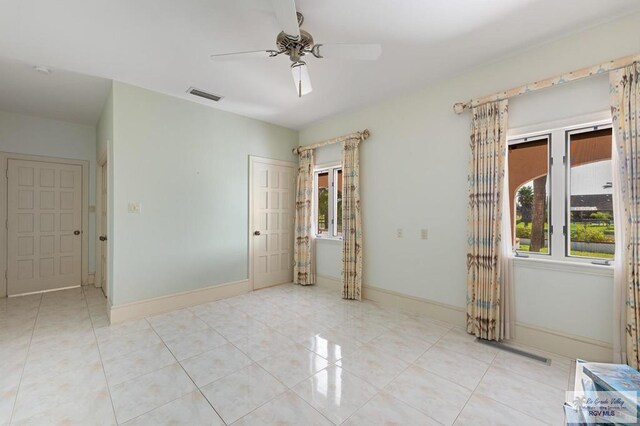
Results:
134 208
424 234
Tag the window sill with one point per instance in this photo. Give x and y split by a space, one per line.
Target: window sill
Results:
563 266
323 238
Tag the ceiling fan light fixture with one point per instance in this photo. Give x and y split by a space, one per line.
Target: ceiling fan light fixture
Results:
301 78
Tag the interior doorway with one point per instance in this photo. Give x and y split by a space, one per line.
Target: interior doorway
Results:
102 250
271 210
45 224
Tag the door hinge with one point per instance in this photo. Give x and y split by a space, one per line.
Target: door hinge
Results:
551 161
564 230
551 229
564 160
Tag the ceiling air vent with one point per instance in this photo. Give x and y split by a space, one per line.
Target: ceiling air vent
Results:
203 94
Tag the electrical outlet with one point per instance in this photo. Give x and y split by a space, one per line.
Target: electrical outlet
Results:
399 233
424 234
134 208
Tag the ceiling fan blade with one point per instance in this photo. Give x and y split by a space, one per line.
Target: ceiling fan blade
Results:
301 78
356 51
236 56
286 15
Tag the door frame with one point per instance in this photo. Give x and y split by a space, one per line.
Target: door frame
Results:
101 163
4 163
255 159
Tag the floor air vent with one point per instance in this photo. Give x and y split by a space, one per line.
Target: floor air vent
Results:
203 94
516 351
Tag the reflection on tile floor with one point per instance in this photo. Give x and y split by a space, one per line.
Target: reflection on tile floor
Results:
285 355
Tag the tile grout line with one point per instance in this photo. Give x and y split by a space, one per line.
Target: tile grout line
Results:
181 366
256 362
499 402
26 358
288 389
475 388
532 379
410 364
234 371
183 369
104 373
378 390
383 388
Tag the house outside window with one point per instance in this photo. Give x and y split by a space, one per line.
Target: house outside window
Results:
561 193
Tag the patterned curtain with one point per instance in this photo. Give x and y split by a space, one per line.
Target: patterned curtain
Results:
303 272
351 221
486 189
625 109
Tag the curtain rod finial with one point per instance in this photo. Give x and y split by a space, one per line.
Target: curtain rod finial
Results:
458 108
365 134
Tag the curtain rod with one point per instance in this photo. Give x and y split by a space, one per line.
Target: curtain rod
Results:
363 135
580 74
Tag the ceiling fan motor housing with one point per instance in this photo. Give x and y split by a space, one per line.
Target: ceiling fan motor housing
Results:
294 47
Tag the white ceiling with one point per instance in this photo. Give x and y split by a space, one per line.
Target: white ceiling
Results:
165 45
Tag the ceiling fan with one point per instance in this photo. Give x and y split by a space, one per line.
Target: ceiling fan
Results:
297 43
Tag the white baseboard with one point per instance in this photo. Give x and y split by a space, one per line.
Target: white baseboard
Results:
326 281
157 305
440 311
563 343
526 334
417 305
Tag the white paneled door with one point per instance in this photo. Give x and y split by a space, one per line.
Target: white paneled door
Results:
103 229
44 213
272 220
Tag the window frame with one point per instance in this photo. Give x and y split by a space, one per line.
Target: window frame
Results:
559 211
332 216
533 138
567 200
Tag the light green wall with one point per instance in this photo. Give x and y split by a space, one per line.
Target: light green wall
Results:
414 176
187 165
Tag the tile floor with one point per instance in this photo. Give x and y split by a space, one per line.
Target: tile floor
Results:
284 355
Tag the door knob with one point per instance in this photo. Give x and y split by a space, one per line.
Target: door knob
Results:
76 232
102 238
256 232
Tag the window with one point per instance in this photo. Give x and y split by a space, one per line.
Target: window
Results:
560 193
529 191
328 201
590 198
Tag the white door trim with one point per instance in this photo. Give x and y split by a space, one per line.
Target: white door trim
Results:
84 164
254 159
102 161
